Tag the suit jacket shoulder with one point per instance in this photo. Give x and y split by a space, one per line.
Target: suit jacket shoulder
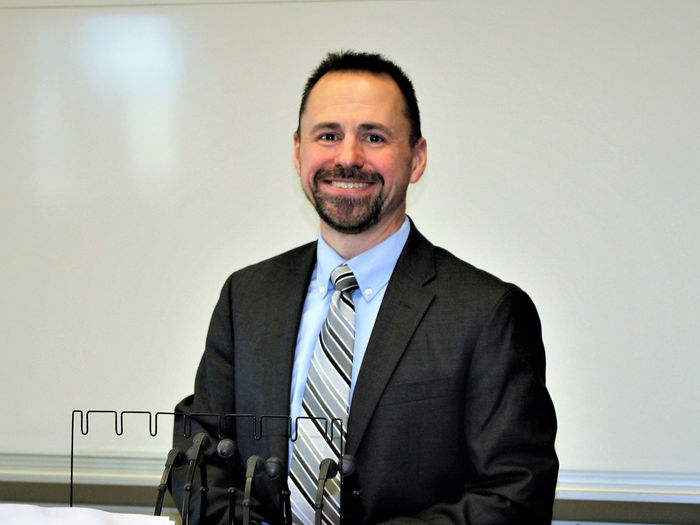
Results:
471 295
295 263
448 276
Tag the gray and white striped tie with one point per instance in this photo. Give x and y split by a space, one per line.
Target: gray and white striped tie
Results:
325 403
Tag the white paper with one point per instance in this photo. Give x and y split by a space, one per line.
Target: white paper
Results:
35 515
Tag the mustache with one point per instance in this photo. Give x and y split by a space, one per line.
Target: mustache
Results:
354 173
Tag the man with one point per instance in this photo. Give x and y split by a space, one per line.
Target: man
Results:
449 418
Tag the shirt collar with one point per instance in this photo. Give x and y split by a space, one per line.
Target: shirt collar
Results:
372 268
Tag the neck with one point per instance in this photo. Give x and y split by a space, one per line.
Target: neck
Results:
348 245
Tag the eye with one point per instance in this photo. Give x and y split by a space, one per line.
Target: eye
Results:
327 137
374 138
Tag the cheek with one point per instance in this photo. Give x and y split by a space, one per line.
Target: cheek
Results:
392 171
306 176
392 164
311 161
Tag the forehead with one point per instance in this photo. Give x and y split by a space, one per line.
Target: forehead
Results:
355 94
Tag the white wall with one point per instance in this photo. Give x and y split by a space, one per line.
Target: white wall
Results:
145 153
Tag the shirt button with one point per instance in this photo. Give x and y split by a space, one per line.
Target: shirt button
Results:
322 289
368 292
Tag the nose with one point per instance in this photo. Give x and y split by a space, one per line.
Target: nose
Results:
349 153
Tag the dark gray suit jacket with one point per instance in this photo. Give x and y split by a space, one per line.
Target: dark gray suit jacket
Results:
450 420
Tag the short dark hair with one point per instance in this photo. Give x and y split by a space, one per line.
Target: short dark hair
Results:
371 63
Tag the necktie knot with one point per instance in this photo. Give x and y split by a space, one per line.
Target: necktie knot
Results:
343 279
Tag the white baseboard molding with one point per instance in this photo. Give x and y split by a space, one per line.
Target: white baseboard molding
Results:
649 487
145 470
134 470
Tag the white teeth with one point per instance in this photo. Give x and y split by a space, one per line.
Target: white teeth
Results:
349 185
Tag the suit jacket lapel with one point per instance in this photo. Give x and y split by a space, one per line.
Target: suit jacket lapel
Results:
404 304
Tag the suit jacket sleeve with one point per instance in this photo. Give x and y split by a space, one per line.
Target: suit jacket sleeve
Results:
213 394
246 370
509 426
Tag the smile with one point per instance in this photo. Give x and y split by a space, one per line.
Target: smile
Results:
348 185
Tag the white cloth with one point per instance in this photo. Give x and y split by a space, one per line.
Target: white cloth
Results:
12 514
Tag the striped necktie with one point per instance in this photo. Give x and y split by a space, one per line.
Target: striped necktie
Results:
325 404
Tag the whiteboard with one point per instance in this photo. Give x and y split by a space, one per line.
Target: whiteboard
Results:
146 153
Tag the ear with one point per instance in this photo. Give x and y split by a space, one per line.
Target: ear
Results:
419 159
297 162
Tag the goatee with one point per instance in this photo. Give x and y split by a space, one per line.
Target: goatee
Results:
348 214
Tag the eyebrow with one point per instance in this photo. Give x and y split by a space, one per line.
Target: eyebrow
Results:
325 125
376 126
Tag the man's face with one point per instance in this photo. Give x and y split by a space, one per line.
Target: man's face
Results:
352 151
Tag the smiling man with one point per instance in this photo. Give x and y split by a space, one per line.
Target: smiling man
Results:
430 370
355 156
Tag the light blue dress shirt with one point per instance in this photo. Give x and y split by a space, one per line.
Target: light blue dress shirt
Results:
372 270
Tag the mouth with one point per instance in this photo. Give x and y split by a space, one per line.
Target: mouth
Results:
347 178
348 185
